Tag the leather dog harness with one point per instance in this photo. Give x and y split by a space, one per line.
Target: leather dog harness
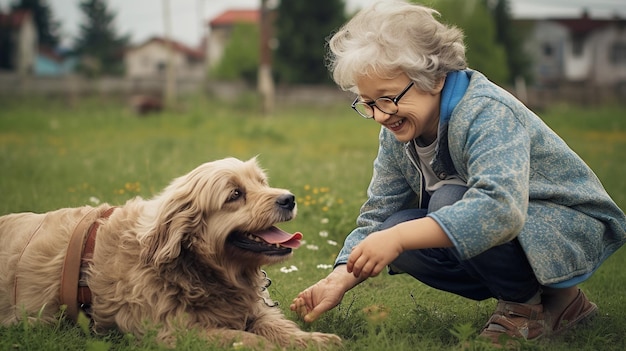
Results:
75 292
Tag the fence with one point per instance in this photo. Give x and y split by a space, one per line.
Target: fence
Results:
74 87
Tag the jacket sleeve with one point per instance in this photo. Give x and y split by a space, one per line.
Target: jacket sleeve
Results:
387 193
490 148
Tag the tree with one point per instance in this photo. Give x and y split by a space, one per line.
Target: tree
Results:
301 29
483 51
47 27
98 44
241 55
7 45
512 39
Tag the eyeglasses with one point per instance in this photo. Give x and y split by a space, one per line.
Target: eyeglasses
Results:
385 104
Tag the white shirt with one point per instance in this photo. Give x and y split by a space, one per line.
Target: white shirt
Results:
426 154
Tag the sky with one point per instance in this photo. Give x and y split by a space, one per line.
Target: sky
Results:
143 19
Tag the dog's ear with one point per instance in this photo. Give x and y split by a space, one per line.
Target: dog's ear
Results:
179 219
183 208
174 228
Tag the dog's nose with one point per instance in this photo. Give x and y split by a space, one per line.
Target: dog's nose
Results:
286 201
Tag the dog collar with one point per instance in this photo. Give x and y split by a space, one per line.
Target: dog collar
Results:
75 292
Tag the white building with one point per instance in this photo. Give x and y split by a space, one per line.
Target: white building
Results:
579 50
149 60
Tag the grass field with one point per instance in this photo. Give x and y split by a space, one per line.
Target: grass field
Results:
53 155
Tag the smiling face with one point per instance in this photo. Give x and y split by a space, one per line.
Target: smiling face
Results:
418 111
222 211
246 213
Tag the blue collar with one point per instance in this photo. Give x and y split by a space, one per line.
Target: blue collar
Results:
453 90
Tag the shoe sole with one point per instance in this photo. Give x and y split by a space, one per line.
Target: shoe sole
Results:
582 319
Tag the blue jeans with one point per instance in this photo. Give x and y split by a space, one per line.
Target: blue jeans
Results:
502 272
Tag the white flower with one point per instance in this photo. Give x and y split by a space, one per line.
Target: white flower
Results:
292 268
324 266
94 200
324 234
312 247
324 220
331 242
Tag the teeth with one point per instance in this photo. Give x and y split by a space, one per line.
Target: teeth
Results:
259 240
397 124
254 238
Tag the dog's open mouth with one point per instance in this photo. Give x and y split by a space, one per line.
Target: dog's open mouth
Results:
272 241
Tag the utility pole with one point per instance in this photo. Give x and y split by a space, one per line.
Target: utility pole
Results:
201 27
170 73
265 81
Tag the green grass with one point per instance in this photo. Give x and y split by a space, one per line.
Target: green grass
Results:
54 155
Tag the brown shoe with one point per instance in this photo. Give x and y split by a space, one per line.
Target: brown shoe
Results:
516 320
579 310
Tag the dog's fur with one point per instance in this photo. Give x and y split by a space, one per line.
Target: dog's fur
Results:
167 264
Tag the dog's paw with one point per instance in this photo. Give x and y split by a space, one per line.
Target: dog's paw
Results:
323 340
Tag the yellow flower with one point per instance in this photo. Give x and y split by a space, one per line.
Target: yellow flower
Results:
132 187
376 313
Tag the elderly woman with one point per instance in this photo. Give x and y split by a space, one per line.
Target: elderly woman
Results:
471 192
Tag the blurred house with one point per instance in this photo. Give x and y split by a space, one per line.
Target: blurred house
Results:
578 51
149 59
18 42
220 30
52 63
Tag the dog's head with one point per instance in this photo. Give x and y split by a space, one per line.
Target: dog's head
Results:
222 212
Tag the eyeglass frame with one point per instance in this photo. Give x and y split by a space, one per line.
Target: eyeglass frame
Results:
373 104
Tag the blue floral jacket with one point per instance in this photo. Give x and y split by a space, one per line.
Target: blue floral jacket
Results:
524 182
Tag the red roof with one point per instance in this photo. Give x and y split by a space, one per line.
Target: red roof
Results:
235 16
14 19
585 24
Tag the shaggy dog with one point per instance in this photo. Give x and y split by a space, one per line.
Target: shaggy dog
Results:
187 259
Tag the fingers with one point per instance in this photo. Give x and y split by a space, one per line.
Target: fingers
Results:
310 306
303 303
305 311
361 266
317 311
299 306
351 265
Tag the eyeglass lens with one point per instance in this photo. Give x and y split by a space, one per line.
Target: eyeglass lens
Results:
384 104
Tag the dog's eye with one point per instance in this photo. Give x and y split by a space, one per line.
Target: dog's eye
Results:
235 195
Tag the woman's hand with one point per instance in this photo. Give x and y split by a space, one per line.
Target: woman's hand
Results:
379 249
324 295
374 253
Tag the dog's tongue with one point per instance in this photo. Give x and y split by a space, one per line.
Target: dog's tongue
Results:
275 235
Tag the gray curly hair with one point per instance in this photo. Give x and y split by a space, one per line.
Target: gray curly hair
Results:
392 37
